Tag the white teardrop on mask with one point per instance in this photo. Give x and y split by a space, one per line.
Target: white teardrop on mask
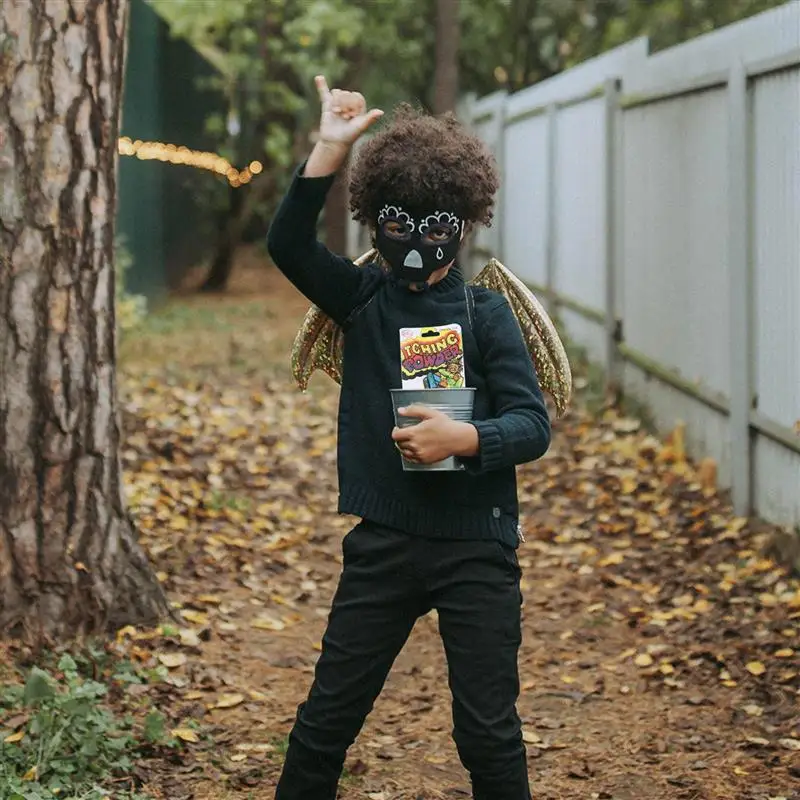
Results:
439 254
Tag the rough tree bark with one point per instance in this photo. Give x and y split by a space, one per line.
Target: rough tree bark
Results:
69 560
448 40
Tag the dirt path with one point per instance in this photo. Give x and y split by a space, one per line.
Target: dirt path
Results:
661 649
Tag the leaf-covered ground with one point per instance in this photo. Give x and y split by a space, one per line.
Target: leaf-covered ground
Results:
661 654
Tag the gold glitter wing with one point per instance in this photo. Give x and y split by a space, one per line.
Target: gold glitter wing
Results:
540 334
319 342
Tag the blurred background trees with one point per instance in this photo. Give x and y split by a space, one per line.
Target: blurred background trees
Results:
266 52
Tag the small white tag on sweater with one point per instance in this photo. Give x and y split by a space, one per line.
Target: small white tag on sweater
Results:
432 358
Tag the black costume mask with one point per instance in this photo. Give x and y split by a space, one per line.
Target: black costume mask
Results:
415 247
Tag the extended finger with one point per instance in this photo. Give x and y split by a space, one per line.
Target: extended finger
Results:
409 454
322 89
370 119
417 409
401 435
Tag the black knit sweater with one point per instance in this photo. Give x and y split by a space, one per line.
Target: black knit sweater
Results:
510 415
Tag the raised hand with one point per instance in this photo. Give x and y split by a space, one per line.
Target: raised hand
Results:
344 114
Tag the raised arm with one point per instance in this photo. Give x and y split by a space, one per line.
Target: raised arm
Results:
328 280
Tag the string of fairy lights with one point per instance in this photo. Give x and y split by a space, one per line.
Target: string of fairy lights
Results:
199 159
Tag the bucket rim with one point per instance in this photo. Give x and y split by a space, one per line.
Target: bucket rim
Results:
449 389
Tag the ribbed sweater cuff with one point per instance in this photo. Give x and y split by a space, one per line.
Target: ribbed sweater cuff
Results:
490 445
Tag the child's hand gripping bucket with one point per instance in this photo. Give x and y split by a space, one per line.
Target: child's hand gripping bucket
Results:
455 403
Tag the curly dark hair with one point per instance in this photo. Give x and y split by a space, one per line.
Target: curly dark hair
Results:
423 162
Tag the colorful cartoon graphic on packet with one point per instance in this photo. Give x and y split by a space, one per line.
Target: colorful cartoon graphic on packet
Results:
432 358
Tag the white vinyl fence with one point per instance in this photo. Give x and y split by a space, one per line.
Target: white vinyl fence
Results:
654 201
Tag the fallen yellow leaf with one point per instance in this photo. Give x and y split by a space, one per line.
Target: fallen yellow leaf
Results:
787 652
185 734
197 617
643 660
31 775
210 599
255 747
172 660
14 737
189 638
611 560
529 737
789 744
767 599
268 624
128 630
756 668
229 700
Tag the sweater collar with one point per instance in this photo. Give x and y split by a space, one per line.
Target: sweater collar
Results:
452 280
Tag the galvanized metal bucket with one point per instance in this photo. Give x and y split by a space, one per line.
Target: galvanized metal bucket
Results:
456 403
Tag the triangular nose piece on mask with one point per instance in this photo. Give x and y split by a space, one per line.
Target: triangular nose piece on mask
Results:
413 260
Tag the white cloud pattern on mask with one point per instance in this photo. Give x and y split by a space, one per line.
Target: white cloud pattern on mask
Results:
397 213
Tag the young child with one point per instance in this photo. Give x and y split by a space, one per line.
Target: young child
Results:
443 540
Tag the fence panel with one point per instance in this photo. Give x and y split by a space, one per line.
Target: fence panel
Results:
675 289
689 220
580 220
776 284
524 217
676 301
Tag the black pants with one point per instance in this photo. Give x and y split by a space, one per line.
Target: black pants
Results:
389 580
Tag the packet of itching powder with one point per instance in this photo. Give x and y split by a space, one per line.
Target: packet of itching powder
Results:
432 358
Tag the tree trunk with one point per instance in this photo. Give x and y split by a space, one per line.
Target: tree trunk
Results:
448 35
222 265
69 559
233 229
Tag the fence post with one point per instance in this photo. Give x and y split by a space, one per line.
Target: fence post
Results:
499 150
739 259
613 218
551 189
466 113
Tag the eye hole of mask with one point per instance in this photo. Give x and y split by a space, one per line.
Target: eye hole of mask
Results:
396 229
439 233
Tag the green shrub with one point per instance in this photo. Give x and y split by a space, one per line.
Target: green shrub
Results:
69 744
